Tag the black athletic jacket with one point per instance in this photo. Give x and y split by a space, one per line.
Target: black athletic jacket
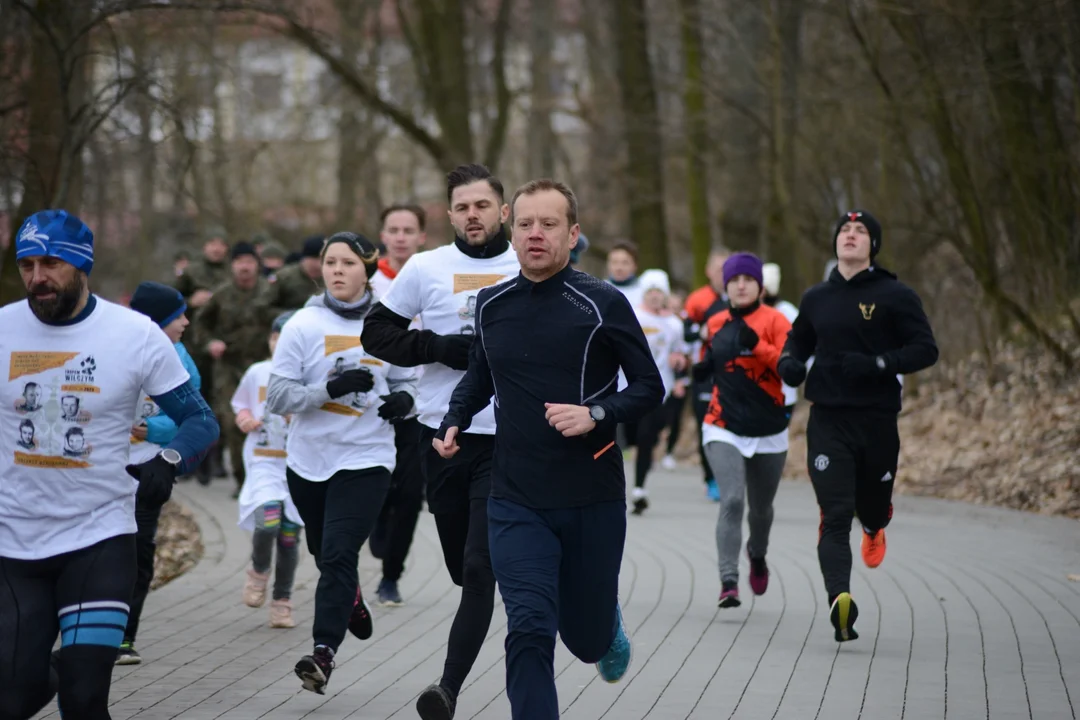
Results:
873 314
561 340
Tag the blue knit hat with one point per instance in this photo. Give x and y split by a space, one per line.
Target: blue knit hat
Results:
580 249
58 234
160 303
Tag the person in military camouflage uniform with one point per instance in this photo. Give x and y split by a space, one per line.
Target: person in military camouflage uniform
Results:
296 283
231 328
196 283
273 260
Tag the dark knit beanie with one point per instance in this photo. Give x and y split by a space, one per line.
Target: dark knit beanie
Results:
312 247
160 303
873 227
743 263
243 248
280 320
364 249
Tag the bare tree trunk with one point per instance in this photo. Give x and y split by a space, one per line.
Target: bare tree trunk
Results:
642 117
697 133
541 140
55 94
219 153
144 107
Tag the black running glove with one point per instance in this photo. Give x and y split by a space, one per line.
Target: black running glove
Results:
156 478
395 406
747 337
791 370
858 366
357 380
452 350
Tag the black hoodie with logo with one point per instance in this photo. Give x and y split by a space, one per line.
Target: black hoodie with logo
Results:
862 332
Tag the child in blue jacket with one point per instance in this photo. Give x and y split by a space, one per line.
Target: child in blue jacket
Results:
151 431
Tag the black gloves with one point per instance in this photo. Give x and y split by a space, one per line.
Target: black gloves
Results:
857 366
358 380
395 406
791 370
452 350
156 478
747 337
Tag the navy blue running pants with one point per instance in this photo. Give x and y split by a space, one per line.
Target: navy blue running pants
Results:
558 572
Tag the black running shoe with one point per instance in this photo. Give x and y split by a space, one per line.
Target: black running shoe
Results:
843 614
360 622
436 703
127 654
314 669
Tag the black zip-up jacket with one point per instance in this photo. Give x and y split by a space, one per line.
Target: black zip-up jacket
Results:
873 315
561 340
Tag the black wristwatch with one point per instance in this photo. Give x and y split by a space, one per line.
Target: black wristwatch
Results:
597 413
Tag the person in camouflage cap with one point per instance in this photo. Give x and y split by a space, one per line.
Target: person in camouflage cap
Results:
296 283
231 328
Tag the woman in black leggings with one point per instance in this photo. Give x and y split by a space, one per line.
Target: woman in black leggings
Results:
341 441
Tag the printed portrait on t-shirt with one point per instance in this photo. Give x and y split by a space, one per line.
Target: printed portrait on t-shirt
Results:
69 408
468 330
147 410
75 445
340 366
30 400
26 435
262 439
468 312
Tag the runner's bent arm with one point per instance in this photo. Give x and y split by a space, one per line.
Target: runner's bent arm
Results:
473 391
286 392
197 428
160 428
387 336
918 349
644 390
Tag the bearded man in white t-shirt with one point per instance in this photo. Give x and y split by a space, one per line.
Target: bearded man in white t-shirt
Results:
439 287
67 506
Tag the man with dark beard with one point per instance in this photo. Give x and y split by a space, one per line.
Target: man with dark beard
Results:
67 536
435 286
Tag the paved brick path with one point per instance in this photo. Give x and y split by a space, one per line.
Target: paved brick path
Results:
972 615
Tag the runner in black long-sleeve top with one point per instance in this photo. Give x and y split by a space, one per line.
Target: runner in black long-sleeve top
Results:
863 327
550 345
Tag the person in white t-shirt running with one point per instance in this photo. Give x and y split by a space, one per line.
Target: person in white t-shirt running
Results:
622 268
440 287
341 443
266 509
67 498
402 235
664 333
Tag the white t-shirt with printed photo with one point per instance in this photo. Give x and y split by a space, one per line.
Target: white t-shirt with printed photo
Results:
440 287
346 433
664 333
143 450
264 449
66 408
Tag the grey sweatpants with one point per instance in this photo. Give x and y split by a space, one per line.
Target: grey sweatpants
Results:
755 479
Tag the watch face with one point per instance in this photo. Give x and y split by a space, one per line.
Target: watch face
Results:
597 413
881 363
171 456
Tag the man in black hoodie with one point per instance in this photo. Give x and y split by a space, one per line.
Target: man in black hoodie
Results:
863 327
